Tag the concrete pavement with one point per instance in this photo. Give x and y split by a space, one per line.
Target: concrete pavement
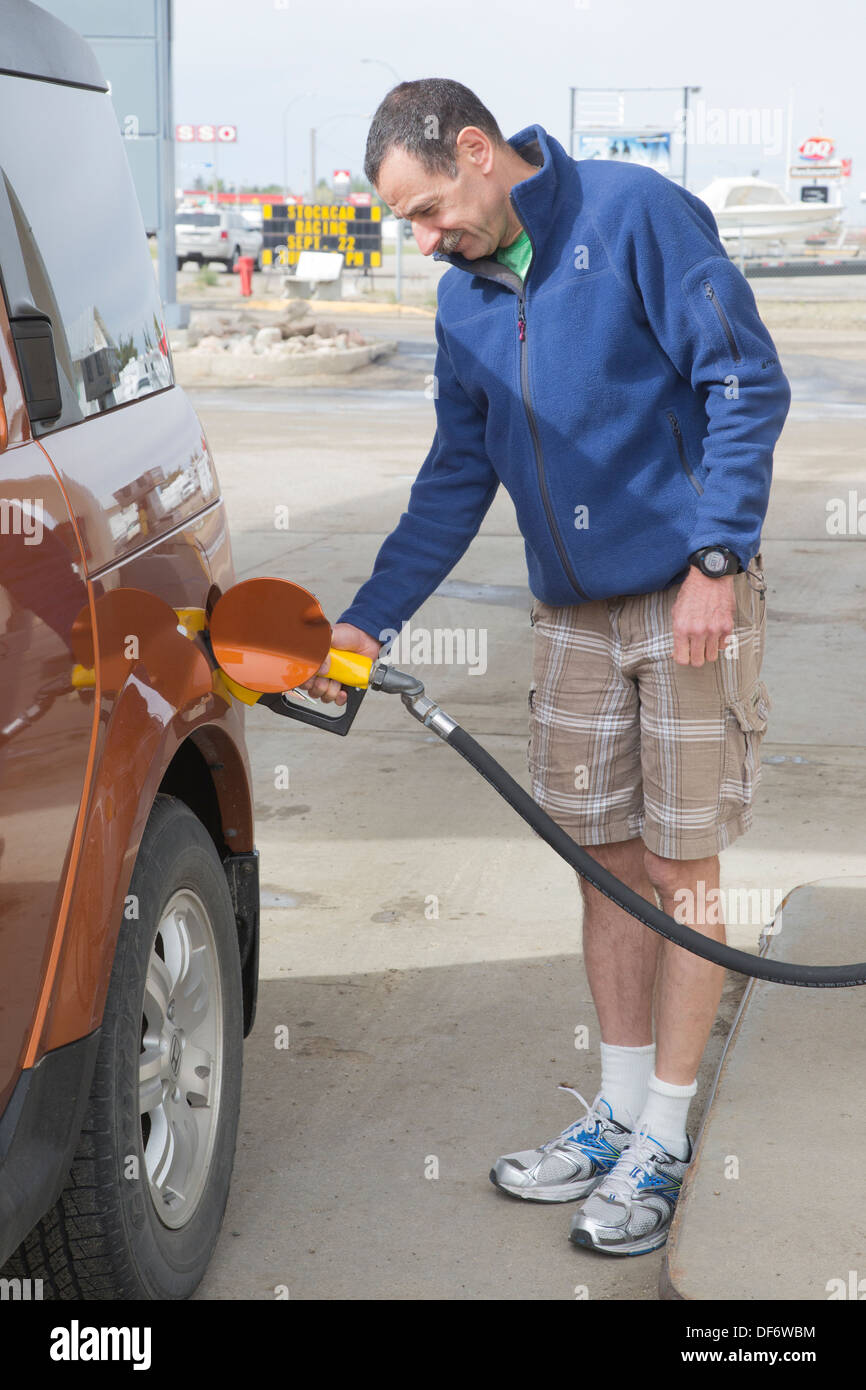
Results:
415 1037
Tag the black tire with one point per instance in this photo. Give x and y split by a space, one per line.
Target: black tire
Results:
180 262
231 264
104 1238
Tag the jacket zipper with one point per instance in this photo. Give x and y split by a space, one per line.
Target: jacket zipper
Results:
527 403
678 436
723 320
539 459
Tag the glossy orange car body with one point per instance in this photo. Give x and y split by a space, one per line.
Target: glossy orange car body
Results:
132 544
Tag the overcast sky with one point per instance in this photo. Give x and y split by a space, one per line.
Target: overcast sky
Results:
243 63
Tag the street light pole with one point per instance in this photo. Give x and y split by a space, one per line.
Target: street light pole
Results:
338 115
299 97
383 64
176 315
686 91
685 130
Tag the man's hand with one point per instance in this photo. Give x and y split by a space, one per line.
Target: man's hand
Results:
704 616
344 638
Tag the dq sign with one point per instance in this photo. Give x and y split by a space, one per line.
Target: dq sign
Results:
816 147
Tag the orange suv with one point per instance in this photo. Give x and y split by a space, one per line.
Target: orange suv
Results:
129 898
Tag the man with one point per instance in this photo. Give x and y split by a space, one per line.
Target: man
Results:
600 355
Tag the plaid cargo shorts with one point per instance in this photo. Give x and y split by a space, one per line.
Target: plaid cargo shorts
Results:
625 742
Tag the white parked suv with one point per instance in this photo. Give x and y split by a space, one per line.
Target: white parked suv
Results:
215 236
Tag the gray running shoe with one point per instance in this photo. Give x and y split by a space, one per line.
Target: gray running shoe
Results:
570 1166
630 1210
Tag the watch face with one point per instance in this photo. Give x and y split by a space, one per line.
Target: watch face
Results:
715 561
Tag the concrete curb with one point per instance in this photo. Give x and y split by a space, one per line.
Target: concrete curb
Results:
789 1051
324 307
193 368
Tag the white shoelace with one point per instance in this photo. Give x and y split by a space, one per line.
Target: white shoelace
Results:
640 1151
591 1119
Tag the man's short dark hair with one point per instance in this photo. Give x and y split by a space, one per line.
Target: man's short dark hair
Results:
425 117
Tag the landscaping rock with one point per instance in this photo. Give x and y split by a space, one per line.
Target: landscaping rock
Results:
266 337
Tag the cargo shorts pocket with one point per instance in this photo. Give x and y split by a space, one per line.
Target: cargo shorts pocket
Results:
747 716
537 611
531 741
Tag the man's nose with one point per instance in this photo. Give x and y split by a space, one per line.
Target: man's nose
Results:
427 240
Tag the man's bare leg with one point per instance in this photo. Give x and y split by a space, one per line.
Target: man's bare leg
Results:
627 963
689 988
620 953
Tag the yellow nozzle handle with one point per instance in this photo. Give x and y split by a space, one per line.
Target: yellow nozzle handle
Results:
350 668
193 619
240 692
83 677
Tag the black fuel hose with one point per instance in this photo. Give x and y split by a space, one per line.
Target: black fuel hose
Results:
780 971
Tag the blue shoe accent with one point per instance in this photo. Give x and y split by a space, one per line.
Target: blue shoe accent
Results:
570 1166
630 1211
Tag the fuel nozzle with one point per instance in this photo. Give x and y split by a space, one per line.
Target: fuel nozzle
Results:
393 682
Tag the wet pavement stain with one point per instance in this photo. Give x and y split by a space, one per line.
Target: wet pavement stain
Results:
409 909
321 1046
270 898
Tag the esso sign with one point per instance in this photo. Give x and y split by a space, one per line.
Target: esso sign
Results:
817 147
207 134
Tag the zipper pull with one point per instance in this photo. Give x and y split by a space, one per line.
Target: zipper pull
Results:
708 289
521 321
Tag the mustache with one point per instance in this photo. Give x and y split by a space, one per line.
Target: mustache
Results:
449 241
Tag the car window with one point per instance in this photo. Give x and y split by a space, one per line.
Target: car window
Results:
83 245
197 219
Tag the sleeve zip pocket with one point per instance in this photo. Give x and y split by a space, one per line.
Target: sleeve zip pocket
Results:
723 320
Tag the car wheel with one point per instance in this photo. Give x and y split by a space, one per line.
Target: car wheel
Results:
180 262
140 1215
231 265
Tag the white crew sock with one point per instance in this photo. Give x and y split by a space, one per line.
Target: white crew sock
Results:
664 1114
625 1073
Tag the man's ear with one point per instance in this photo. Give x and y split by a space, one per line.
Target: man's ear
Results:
476 147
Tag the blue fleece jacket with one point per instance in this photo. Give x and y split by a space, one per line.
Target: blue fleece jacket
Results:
627 396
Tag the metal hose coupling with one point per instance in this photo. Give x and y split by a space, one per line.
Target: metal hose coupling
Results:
393 682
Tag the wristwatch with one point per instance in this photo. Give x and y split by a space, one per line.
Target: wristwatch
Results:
715 561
